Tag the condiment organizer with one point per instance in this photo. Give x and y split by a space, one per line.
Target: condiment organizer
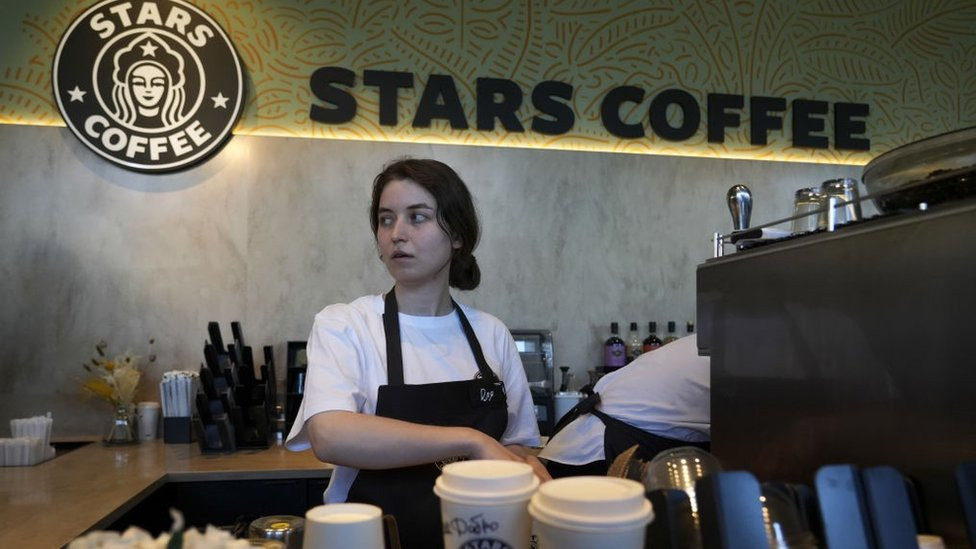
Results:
236 407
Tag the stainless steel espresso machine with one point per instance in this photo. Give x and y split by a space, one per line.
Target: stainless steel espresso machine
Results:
535 350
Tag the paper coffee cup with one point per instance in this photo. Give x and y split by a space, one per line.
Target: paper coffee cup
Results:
343 525
483 503
584 512
148 414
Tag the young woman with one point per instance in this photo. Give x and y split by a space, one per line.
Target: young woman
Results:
400 383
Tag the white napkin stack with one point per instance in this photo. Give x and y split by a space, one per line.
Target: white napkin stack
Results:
177 392
31 442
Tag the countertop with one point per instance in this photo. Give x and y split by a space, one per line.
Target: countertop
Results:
50 504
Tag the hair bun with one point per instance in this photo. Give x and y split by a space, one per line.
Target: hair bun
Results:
465 273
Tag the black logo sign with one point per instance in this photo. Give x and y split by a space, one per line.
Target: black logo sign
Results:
152 86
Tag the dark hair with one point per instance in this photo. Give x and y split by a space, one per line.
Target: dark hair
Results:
456 214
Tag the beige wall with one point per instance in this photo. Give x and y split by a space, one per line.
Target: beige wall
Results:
273 229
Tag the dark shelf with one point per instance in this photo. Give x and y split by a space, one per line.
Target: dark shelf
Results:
294 378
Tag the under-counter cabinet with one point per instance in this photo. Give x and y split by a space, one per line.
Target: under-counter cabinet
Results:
226 504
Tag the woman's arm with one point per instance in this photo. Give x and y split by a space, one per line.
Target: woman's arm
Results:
529 456
366 441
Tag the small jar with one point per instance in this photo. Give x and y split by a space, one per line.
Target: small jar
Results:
806 210
840 196
287 529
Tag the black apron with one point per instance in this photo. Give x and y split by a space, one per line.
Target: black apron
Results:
619 436
408 492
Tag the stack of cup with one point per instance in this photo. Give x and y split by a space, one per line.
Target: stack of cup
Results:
484 503
584 512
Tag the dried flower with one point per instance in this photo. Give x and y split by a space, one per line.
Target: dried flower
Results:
114 379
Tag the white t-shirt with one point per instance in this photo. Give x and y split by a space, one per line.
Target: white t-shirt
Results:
347 364
664 392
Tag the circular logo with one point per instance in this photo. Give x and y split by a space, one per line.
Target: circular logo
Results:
152 86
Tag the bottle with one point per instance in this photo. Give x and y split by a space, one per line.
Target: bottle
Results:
634 347
651 342
690 328
614 349
671 333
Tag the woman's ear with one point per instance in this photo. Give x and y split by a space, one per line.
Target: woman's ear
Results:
456 243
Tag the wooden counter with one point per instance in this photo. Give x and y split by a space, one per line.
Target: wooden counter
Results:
50 504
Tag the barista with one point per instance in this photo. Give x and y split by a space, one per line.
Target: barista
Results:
401 382
658 401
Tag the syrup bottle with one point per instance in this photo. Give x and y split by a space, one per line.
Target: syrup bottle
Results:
634 347
651 342
614 349
672 336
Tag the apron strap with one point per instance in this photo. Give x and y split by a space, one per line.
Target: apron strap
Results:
394 356
584 406
391 327
479 355
620 435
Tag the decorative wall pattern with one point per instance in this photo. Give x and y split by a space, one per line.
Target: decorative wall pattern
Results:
912 61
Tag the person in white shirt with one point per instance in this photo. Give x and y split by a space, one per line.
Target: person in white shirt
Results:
658 401
398 384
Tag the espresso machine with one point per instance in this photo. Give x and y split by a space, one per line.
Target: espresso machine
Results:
535 350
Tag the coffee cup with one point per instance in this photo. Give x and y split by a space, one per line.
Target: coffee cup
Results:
148 414
343 525
590 511
484 503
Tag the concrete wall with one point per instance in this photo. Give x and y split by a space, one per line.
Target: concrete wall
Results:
272 229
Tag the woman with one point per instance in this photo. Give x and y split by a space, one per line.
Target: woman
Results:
397 383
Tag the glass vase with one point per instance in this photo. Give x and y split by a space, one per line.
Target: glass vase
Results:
122 430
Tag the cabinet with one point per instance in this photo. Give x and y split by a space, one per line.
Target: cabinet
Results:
227 504
296 367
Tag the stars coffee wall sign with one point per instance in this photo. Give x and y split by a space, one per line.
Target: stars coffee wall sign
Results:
152 86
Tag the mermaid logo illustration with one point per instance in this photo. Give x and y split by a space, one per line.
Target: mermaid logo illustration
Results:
151 85
148 84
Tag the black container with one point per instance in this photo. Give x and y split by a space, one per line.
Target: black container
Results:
177 430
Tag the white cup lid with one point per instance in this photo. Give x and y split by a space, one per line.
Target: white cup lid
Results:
591 503
486 481
343 513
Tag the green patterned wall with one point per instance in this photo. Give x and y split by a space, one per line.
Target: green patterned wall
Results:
912 62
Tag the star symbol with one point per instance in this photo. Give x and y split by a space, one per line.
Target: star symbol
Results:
77 95
220 101
148 49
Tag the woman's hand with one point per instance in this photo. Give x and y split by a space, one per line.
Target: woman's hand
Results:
483 446
486 447
528 456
